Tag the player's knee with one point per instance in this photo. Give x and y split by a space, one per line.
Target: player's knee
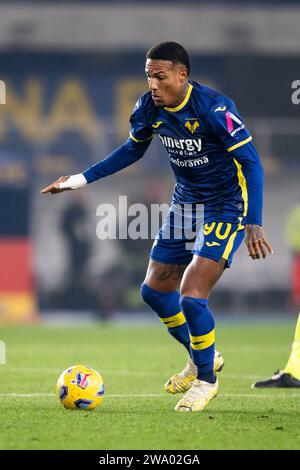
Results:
159 300
147 294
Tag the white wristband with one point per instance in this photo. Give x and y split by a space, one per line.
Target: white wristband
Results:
74 182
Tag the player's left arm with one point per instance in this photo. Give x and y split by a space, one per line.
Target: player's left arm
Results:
247 157
227 124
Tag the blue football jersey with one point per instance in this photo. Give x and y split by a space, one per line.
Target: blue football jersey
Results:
200 136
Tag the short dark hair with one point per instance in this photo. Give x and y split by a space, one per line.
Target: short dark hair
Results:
170 51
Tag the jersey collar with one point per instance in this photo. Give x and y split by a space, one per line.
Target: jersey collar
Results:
184 102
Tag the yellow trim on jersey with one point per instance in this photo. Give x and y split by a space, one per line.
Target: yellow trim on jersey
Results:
203 341
239 144
137 140
175 320
243 185
181 105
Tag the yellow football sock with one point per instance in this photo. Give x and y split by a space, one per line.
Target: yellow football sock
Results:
293 364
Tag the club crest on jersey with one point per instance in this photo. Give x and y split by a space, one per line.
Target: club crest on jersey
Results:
192 126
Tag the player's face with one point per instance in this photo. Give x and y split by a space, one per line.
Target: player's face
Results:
166 81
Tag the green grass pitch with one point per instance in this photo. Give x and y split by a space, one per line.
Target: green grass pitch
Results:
136 413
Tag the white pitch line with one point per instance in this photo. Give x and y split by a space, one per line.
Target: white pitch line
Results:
241 395
126 372
260 395
157 395
27 395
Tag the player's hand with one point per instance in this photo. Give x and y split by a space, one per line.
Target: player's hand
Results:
65 183
54 188
257 242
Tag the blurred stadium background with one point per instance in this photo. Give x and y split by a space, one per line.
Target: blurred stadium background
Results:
73 71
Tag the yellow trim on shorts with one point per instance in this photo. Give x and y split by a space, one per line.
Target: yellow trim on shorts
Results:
230 242
229 245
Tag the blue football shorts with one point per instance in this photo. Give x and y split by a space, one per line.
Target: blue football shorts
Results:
186 233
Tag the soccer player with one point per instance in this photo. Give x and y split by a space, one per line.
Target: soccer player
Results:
289 377
216 165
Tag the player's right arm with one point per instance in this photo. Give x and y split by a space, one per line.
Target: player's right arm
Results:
140 137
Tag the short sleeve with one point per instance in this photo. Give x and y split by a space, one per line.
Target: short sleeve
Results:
226 123
140 130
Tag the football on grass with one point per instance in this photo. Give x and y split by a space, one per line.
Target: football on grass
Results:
80 387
